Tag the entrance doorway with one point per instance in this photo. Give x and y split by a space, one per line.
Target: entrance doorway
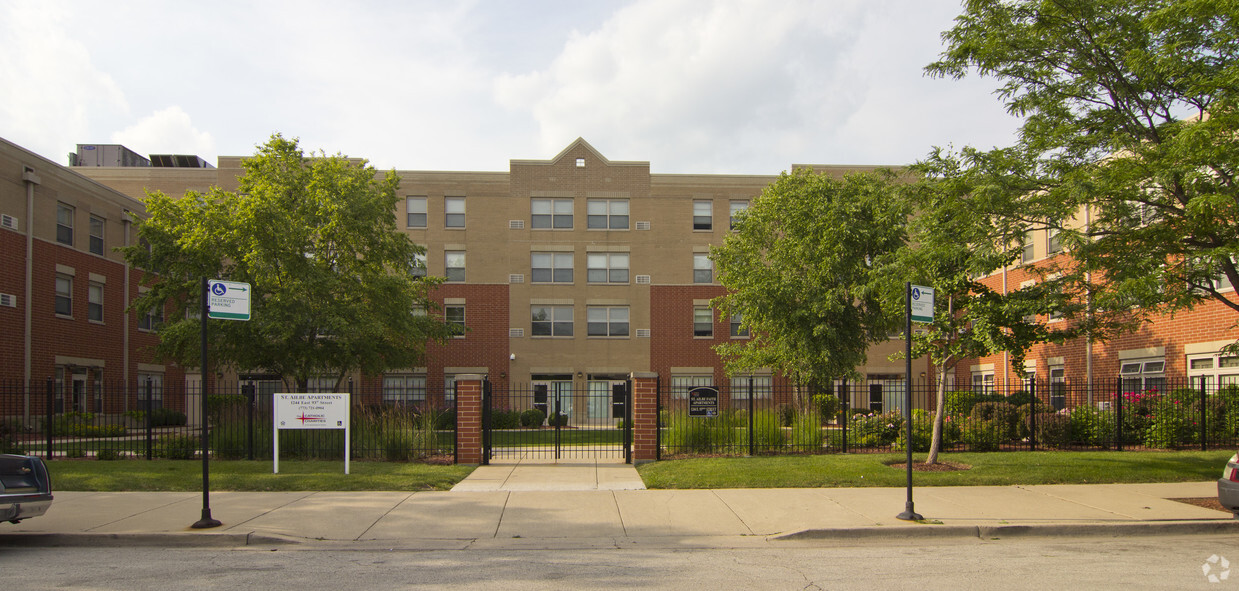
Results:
549 419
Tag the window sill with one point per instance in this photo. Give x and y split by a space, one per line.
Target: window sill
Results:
64 316
99 322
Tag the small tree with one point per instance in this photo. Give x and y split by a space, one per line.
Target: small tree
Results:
333 288
798 273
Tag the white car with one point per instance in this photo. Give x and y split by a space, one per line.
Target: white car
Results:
25 487
1228 486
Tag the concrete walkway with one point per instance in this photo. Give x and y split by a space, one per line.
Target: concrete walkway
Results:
597 504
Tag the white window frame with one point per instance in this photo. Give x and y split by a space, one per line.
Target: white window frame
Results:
607 214
1218 369
681 384
64 295
550 214
454 266
703 215
763 387
415 212
616 321
97 245
735 207
94 302
1143 374
404 388
454 212
65 215
455 315
612 269
550 321
703 268
737 329
703 322
551 267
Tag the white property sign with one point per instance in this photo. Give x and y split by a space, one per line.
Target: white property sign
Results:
229 300
922 303
311 411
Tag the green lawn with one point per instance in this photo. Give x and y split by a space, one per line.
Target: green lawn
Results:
995 468
186 475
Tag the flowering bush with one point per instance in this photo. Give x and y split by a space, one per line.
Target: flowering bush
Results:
875 430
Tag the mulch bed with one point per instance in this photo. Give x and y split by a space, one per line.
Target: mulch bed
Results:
1206 502
937 467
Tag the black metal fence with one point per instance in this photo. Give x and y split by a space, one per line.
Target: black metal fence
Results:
109 420
752 417
554 420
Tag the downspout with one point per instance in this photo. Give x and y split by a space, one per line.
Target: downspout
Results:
1088 338
1006 355
31 179
127 221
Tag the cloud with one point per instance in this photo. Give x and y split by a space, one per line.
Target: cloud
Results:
168 131
52 89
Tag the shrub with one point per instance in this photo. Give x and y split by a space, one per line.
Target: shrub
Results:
1170 424
425 439
107 454
828 407
532 418
1024 412
768 432
177 447
1052 429
166 417
1090 426
870 430
786 414
445 420
922 436
959 404
983 435
1005 416
557 419
8 437
807 432
505 419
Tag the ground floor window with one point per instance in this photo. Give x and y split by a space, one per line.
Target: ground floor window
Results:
762 387
150 385
404 388
680 385
1216 369
1141 375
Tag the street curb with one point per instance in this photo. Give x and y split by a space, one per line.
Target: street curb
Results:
134 540
993 532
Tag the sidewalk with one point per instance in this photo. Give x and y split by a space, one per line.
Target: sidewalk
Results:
591 504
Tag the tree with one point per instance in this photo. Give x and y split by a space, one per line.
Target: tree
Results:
333 287
798 272
949 247
1130 140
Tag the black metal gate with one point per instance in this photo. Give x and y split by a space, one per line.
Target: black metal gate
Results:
551 419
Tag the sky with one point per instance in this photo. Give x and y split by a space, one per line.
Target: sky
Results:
691 86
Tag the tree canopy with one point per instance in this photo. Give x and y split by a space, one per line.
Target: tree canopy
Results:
315 236
1130 142
798 270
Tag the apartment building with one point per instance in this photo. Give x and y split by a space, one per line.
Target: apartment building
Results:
567 273
1170 348
65 291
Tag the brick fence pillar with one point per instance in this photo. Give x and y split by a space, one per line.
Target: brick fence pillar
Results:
469 419
644 417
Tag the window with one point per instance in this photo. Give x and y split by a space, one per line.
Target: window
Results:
740 387
1029 245
1215 369
703 268
983 381
735 209
703 215
607 214
551 267
1143 374
94 303
551 321
1054 242
151 383
418 269
680 385
551 213
738 329
64 295
96 234
454 316
415 208
1058 387
454 262
607 322
321 384
64 224
151 319
454 212
608 267
449 387
703 322
404 388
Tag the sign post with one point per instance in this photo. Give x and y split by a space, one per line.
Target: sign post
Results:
918 307
228 300
310 411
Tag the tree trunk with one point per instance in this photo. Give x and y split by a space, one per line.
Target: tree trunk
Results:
935 445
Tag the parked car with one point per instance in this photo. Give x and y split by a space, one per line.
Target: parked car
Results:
1228 486
25 487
